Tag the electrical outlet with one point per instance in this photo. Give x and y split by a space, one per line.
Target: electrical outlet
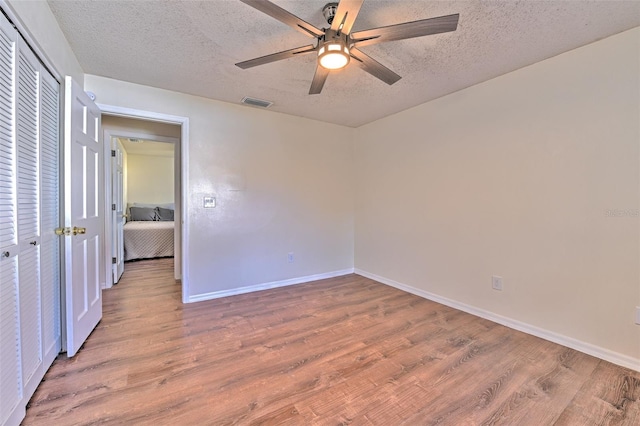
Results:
638 315
290 257
496 282
209 202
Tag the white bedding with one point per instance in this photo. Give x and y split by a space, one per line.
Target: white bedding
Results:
148 239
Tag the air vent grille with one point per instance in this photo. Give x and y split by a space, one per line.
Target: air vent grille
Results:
256 102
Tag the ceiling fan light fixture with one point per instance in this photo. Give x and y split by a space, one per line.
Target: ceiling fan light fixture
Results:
333 55
334 45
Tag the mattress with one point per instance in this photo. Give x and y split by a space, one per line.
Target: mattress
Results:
148 239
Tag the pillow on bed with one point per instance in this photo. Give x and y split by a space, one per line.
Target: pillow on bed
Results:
165 214
143 213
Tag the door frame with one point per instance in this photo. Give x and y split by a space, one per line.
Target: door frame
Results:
183 174
108 136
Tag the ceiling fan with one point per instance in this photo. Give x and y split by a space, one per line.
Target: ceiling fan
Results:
337 45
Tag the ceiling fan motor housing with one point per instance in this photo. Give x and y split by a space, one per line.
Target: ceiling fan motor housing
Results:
329 11
334 36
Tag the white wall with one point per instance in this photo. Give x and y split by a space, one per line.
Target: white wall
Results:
514 177
37 18
150 179
283 184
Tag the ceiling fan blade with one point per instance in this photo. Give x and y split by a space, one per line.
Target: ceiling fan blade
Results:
285 17
373 67
276 57
406 30
346 15
318 80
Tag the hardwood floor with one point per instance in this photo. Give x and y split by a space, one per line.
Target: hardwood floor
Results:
347 350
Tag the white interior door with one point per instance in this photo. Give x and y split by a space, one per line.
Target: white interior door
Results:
50 266
82 196
11 391
28 202
117 208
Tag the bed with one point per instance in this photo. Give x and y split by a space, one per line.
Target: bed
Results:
148 235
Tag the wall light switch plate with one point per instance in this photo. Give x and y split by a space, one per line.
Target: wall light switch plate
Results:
209 202
496 282
638 315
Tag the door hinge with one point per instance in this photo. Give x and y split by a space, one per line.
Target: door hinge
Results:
113 260
113 207
113 152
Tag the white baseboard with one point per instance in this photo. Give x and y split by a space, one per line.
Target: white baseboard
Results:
266 286
587 348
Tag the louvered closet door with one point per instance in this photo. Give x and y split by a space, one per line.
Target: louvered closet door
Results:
28 179
50 216
11 408
29 202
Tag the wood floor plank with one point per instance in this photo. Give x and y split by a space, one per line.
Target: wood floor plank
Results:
346 350
611 393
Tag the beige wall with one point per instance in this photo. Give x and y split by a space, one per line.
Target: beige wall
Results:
514 177
120 126
283 184
150 179
125 175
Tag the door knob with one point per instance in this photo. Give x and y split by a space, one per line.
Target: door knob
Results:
63 231
71 231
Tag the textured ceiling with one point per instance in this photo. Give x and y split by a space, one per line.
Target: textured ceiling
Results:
192 46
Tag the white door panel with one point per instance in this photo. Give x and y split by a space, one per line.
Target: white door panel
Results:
28 197
117 199
11 403
30 319
50 216
10 359
82 199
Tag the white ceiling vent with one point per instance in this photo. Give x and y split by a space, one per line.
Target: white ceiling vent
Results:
256 102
